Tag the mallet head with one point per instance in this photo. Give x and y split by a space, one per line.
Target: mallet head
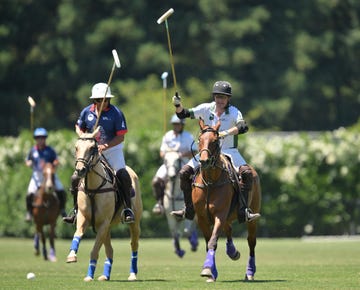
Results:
164 75
116 58
31 102
165 16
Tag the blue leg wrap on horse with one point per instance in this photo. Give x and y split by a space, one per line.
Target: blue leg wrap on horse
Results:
230 248
36 241
194 240
133 265
210 259
91 269
75 244
107 268
251 267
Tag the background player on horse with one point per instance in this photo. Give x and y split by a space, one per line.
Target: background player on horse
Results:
40 154
177 140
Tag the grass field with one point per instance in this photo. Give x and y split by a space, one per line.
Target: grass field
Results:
281 264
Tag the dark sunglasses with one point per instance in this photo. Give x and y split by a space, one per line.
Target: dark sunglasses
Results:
100 100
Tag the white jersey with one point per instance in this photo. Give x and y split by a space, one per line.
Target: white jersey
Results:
183 143
230 118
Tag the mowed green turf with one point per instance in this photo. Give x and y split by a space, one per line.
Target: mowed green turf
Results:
281 264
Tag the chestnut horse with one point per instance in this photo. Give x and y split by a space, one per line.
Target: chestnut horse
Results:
45 211
96 206
216 202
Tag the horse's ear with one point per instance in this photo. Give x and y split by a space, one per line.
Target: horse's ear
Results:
217 126
201 123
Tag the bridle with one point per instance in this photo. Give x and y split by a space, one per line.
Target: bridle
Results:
88 159
213 154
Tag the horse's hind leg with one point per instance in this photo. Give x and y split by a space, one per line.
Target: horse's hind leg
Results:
251 266
178 251
109 251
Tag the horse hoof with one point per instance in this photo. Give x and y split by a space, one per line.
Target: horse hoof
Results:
88 279
210 280
132 277
71 259
180 253
53 259
37 253
249 278
236 256
206 272
103 278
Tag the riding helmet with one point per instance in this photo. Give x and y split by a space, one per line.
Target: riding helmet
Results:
98 91
222 87
40 132
176 120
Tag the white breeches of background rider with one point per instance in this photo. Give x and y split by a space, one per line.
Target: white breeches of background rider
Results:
236 158
36 180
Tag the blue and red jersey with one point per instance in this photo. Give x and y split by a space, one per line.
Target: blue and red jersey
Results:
112 122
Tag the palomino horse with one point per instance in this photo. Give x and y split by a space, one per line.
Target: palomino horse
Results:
216 202
45 212
96 206
174 200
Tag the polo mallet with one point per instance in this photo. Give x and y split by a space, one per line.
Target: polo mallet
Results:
164 78
163 18
32 106
115 64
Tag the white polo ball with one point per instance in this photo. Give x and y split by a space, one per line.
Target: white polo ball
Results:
30 276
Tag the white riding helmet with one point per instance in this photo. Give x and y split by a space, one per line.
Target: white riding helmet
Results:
98 91
176 120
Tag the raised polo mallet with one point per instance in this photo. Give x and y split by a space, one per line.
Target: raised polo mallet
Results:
115 64
163 18
164 78
32 106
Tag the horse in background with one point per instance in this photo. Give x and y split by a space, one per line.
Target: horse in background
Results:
174 200
98 206
216 202
46 209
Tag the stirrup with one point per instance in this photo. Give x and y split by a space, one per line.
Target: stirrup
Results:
158 209
249 216
179 214
127 216
71 219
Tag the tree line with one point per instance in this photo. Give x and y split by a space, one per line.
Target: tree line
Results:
294 65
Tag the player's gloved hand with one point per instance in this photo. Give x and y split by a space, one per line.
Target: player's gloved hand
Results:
223 134
176 100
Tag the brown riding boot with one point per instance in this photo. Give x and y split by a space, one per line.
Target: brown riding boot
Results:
29 207
61 195
124 185
246 181
71 219
187 212
158 185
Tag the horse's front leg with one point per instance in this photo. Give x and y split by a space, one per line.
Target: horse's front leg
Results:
134 236
81 225
40 232
109 251
102 233
37 244
52 255
251 266
209 267
231 250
